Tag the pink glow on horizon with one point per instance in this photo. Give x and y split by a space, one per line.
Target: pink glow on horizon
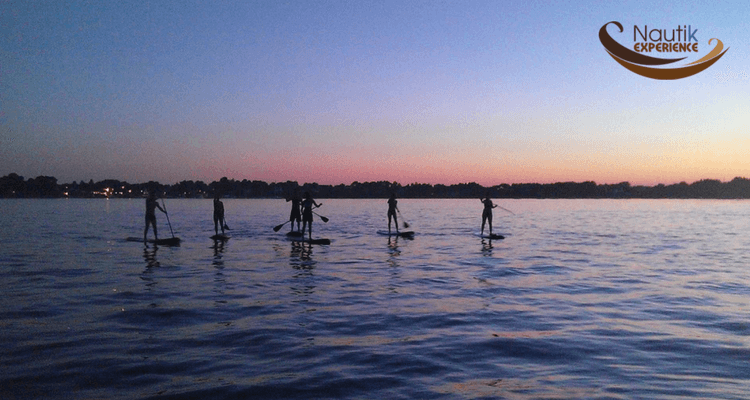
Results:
345 171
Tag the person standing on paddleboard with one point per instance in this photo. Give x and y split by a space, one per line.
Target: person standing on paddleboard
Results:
487 212
307 213
392 208
295 214
151 206
218 213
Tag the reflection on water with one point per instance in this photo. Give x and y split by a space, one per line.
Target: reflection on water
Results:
393 246
583 299
301 255
300 259
487 247
218 248
149 255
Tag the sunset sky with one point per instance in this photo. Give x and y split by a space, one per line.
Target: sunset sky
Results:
340 91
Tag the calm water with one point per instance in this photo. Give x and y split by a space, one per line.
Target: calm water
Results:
605 299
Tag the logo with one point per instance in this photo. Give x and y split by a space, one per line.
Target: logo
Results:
683 39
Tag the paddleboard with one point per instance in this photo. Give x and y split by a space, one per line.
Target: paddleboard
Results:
220 237
493 236
164 242
393 233
313 241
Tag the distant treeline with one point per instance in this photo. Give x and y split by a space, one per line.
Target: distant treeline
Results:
13 185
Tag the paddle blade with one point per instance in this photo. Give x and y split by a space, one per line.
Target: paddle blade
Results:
278 227
503 208
406 224
227 227
324 218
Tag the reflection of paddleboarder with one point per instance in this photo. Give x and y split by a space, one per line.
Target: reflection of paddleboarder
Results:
295 214
392 208
487 212
151 206
307 213
218 213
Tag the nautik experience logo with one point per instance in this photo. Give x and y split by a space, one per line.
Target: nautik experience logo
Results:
683 39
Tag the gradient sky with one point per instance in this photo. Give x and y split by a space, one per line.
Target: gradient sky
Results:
340 91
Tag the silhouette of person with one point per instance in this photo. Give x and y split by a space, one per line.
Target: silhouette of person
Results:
392 208
151 206
295 214
218 213
487 212
307 213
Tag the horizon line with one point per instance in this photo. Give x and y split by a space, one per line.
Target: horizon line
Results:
364 182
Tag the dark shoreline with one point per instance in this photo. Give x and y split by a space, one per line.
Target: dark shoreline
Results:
15 186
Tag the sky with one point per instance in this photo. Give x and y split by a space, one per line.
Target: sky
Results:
438 92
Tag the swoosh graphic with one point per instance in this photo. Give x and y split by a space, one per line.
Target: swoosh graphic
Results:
625 53
667 73
712 54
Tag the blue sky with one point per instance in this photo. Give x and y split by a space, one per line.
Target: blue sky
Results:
333 92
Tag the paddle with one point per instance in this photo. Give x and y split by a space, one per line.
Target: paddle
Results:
506 210
167 214
406 224
321 217
225 224
278 227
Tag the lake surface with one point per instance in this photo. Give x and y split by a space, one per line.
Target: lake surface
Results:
596 299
